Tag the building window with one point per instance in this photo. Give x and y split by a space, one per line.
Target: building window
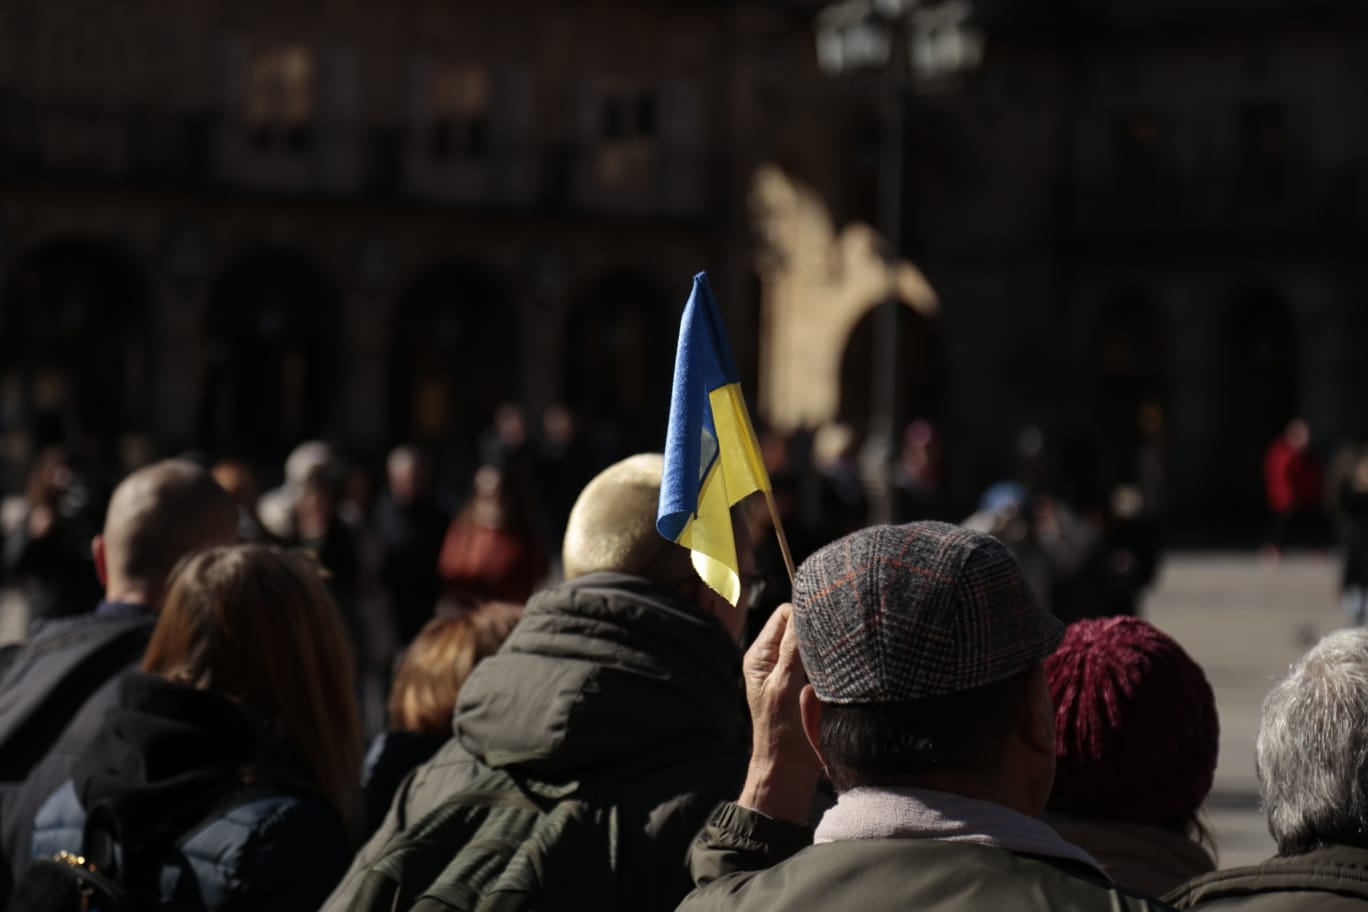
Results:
629 117
1137 140
1263 138
625 146
458 128
280 100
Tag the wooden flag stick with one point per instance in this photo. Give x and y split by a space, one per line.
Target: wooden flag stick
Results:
779 531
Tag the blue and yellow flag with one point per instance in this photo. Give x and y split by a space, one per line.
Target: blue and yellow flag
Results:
712 459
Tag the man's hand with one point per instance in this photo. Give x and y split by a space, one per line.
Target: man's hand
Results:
783 769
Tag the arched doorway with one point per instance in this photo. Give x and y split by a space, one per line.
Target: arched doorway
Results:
919 378
1129 352
457 355
74 348
620 341
271 325
1260 391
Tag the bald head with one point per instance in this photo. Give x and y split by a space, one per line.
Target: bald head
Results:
158 515
612 527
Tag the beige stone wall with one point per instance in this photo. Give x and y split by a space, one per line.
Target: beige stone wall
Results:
818 281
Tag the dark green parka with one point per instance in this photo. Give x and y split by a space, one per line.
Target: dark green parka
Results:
599 671
745 862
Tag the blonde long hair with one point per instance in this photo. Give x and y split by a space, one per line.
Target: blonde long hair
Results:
256 624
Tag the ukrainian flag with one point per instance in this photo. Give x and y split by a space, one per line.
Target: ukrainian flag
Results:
712 459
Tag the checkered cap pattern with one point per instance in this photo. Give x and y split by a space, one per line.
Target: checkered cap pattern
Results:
894 613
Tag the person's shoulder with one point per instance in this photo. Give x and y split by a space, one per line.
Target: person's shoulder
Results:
270 831
935 874
1336 876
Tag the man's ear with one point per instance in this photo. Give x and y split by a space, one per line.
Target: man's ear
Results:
97 550
810 708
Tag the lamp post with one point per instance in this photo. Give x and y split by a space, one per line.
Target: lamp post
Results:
904 39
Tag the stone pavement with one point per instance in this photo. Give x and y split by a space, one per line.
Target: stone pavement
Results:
1244 621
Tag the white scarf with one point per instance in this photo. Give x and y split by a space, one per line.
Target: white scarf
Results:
872 812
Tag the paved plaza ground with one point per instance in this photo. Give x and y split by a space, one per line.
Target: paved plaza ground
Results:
1244 621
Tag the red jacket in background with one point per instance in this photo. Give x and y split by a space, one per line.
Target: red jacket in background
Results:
1292 477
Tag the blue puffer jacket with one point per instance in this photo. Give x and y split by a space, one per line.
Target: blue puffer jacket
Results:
259 849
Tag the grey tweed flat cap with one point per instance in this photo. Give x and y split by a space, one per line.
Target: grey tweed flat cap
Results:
893 613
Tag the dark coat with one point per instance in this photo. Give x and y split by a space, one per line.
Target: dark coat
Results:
411 536
391 757
1327 880
745 862
170 764
1149 859
55 697
598 671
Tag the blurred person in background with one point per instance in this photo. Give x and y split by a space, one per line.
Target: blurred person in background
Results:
423 696
412 526
919 473
1293 483
59 687
238 479
834 469
277 506
321 530
492 550
1136 743
507 446
239 734
1121 565
1353 507
563 470
1311 759
47 544
1048 540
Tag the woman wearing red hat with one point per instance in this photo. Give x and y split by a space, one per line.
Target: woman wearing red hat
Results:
1136 739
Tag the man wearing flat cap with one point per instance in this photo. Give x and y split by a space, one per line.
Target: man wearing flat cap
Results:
925 702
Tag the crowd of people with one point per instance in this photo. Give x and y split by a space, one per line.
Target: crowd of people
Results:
932 715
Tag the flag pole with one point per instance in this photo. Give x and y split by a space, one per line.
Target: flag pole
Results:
779 532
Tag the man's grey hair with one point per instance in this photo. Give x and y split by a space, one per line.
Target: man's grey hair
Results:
1312 752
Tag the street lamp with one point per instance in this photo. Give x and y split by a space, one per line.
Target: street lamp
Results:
905 40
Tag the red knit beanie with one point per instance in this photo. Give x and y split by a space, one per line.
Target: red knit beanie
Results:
1136 733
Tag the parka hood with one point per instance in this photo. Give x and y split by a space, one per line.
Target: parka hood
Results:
598 669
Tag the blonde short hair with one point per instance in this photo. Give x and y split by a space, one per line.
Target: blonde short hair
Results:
612 526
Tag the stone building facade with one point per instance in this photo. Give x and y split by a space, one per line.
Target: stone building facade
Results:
1139 226
232 226
236 225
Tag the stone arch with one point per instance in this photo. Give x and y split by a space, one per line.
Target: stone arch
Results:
75 348
1257 351
1129 354
920 379
620 338
457 354
272 325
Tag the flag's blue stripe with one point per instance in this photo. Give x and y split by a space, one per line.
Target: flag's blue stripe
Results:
703 362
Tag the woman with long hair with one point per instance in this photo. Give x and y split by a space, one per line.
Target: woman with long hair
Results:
230 767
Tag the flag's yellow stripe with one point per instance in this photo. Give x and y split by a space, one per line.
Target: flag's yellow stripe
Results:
738 471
